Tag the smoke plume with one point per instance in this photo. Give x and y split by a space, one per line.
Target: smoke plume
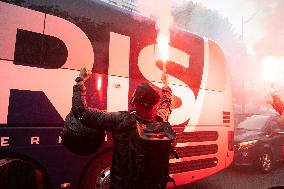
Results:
262 28
161 11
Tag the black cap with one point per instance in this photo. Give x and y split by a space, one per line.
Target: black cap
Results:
145 94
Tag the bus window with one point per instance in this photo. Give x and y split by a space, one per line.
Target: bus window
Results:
217 71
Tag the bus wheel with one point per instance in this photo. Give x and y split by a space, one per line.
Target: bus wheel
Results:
17 173
97 175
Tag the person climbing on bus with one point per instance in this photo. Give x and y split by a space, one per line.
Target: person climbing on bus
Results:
142 136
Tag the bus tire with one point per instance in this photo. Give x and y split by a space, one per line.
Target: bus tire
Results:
20 174
97 175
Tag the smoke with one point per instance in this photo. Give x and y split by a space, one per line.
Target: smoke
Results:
161 11
272 41
259 23
262 28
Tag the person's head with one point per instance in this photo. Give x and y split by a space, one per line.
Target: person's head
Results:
145 100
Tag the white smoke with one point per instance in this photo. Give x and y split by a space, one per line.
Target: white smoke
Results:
161 11
258 22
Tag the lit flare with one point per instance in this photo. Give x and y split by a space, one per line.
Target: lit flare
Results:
163 45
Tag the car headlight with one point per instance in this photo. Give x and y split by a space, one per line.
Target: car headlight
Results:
247 144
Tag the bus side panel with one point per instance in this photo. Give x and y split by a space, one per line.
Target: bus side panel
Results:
196 73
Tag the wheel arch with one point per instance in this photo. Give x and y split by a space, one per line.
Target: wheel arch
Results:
32 161
92 161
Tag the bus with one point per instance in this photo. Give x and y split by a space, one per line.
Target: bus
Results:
43 45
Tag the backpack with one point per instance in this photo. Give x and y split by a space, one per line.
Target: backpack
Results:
149 149
79 139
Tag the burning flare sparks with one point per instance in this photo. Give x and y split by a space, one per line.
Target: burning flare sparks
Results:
163 45
164 21
161 11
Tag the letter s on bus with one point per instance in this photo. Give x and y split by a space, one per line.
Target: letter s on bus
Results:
151 72
39 79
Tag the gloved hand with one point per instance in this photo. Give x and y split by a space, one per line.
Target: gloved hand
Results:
84 73
83 76
274 92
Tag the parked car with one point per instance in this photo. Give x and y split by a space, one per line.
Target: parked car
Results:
259 142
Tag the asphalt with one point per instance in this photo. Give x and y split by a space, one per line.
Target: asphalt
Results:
240 178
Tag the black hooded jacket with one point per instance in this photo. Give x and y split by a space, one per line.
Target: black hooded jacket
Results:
121 124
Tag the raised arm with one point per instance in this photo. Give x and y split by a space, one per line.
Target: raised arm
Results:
91 117
165 106
277 104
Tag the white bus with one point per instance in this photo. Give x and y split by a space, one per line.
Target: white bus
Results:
43 45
